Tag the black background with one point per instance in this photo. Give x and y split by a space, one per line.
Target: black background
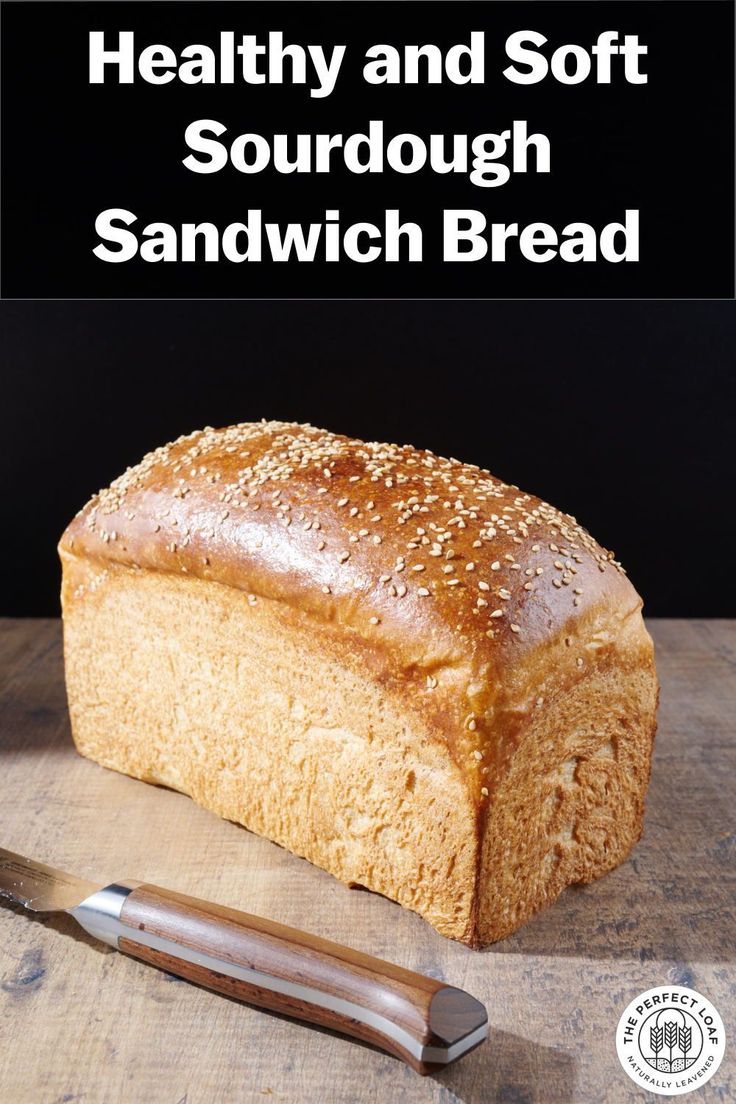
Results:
72 150
620 413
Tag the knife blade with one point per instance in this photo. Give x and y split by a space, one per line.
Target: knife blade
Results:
38 887
423 1021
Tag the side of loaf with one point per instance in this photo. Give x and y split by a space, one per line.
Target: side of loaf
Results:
418 677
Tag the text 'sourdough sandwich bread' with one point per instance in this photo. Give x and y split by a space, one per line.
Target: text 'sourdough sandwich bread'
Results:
417 677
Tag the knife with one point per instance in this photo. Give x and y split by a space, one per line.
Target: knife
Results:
421 1020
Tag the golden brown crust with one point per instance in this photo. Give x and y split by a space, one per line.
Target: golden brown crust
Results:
452 577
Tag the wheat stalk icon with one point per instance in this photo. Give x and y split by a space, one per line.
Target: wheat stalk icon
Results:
655 1040
670 1037
685 1036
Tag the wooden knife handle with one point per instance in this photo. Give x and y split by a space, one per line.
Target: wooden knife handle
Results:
418 1019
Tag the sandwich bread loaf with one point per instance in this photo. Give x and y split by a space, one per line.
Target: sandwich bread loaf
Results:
416 676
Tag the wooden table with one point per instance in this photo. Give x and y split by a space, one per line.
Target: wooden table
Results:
80 1022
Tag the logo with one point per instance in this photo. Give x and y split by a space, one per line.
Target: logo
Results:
670 1040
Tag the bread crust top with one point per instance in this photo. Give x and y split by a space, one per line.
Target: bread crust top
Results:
451 575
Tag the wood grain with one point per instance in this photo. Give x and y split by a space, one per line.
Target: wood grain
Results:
410 1001
82 1023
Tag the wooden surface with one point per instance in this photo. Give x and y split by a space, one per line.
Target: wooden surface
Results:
81 1022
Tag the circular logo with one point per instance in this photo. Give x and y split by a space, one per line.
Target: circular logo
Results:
670 1040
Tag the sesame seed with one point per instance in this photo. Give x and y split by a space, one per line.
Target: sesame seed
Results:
423 592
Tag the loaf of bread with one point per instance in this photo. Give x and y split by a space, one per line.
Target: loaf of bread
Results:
422 679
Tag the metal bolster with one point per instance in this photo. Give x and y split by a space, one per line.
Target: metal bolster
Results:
99 914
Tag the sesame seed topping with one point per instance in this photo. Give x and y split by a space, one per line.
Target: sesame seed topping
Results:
458 516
